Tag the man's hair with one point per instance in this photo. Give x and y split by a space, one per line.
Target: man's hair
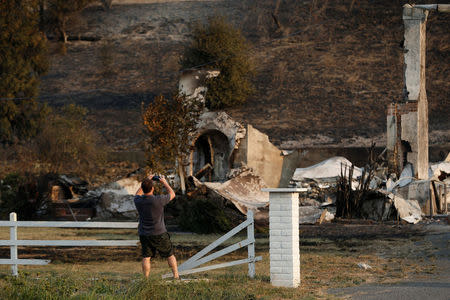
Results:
147 185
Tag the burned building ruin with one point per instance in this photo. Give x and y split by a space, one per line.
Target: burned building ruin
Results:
407 121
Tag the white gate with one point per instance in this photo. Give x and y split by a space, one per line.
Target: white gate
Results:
13 242
190 266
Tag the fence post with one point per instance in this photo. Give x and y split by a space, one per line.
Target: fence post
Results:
13 237
251 247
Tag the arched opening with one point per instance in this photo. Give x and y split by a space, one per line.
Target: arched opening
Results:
212 147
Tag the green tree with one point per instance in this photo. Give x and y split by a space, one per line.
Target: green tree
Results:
221 46
60 11
169 124
23 59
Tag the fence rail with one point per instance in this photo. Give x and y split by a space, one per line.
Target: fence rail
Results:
24 261
69 243
13 242
123 225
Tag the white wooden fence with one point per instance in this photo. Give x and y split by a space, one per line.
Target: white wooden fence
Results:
190 266
13 242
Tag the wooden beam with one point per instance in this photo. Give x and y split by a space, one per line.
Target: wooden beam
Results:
203 171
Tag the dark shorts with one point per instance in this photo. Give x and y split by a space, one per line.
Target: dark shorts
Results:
152 243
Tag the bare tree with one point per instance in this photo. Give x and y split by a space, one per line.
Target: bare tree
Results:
107 4
349 200
60 11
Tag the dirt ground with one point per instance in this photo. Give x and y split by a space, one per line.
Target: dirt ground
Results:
432 284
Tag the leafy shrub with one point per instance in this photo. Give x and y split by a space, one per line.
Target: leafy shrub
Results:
221 46
19 194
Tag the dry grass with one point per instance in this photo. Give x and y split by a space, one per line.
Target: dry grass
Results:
324 264
318 273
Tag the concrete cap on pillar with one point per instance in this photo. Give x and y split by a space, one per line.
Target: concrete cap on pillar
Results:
414 13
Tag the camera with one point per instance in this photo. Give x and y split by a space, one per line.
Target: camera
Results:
156 178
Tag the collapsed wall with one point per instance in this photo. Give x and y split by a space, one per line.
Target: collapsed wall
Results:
235 162
221 144
258 153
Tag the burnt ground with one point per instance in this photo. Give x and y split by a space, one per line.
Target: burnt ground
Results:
343 236
423 285
326 71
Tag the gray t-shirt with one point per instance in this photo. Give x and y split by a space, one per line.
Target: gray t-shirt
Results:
151 213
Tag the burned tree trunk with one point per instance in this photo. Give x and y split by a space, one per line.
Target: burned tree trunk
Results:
349 200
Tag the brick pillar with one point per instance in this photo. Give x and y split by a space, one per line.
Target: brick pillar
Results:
284 236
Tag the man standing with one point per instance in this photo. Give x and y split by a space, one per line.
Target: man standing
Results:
152 230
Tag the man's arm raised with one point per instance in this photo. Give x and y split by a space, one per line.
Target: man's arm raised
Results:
168 188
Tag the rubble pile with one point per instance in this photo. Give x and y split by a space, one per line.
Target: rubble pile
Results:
317 201
64 198
71 199
116 200
326 171
318 204
405 198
